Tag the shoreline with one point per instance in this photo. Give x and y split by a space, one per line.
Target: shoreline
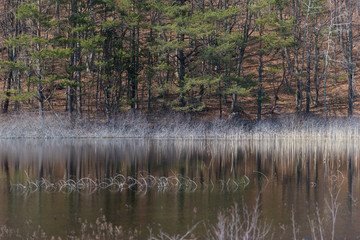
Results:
176 126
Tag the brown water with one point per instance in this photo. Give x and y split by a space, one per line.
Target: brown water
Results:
283 174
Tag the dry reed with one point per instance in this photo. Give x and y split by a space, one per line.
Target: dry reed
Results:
26 125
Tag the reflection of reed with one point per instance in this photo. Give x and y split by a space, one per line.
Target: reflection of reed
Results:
205 161
300 167
117 183
284 171
142 183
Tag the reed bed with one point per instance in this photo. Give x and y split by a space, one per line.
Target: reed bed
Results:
119 183
172 125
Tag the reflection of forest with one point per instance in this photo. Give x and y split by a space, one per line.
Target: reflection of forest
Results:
202 161
296 171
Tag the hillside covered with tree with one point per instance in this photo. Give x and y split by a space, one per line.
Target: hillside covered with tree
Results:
241 57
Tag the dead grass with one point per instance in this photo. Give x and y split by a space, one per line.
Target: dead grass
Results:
242 224
176 126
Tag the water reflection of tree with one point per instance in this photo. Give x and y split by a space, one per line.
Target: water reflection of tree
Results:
282 171
205 161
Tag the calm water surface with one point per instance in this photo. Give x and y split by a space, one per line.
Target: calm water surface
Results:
283 174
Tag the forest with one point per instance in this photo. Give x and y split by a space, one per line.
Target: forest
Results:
242 58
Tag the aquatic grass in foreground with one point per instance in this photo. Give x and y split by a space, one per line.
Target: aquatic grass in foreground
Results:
242 223
101 229
176 126
232 224
118 183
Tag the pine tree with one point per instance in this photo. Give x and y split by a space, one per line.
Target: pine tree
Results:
41 48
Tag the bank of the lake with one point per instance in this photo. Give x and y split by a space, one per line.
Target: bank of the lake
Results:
171 125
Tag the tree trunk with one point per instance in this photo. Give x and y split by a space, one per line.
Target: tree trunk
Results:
7 90
38 70
316 70
132 73
350 71
70 102
259 92
308 81
181 72
246 34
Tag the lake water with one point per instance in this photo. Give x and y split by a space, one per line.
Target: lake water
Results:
171 184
